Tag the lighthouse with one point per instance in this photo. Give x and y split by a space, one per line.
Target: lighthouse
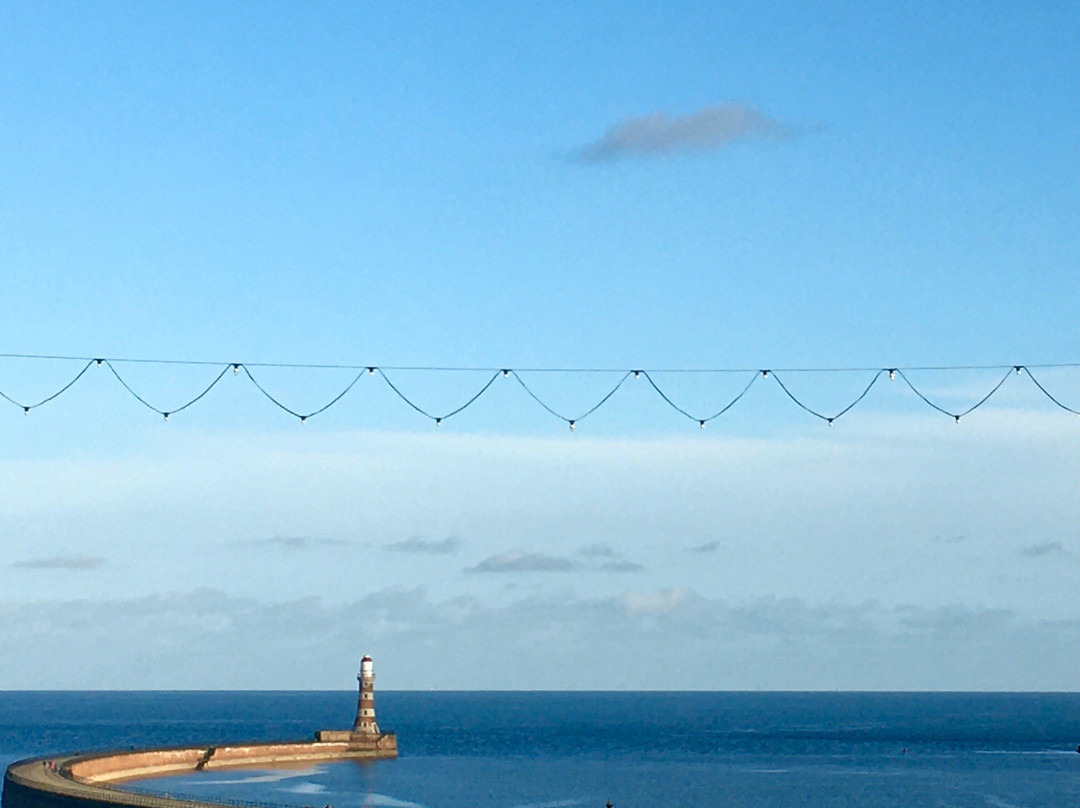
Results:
365 739
365 704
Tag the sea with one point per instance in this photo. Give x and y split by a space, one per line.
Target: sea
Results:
564 749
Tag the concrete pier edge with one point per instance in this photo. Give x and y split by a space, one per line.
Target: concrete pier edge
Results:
85 780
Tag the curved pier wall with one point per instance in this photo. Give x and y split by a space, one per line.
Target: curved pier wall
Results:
83 781
20 792
157 762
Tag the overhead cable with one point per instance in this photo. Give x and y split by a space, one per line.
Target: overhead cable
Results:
384 373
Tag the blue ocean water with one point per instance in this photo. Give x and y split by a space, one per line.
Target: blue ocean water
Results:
559 750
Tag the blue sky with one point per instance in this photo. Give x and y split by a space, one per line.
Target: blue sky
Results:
604 185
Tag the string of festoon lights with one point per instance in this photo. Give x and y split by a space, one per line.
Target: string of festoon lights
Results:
515 375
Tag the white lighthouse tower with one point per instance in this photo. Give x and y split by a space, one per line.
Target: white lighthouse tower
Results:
365 705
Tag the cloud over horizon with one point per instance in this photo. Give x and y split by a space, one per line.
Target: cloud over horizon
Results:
620 565
597 550
660 134
296 542
597 557
70 562
707 547
1043 549
901 479
518 561
446 546
605 558
555 640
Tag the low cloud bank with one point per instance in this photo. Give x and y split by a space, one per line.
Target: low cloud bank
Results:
642 639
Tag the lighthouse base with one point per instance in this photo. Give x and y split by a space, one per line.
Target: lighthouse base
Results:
367 744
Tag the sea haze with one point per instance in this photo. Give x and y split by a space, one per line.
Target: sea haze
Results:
557 750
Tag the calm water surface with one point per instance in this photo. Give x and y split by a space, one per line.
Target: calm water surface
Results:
558 750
